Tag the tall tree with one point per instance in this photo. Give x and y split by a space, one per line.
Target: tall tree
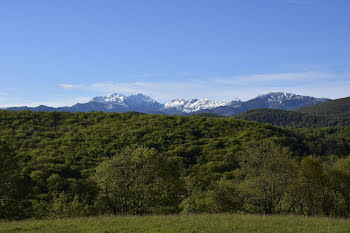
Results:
340 184
138 181
267 169
311 186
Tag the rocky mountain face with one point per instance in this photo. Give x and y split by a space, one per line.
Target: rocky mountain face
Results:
141 103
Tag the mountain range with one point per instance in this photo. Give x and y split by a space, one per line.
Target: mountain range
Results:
141 103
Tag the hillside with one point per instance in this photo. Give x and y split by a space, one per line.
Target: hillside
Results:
97 135
338 107
293 119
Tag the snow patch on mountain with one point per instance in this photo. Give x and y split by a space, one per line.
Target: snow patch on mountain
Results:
194 105
280 97
115 98
121 99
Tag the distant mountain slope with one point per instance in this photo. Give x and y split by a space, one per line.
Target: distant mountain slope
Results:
292 119
41 108
141 103
273 100
281 100
338 107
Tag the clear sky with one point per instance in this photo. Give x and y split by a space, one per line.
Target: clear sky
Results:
60 52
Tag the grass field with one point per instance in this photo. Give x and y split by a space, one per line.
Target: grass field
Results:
222 223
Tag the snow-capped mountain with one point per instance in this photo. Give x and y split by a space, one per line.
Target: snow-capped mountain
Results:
140 103
282 100
120 103
194 105
115 97
137 102
276 100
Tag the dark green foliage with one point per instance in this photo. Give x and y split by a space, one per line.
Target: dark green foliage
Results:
338 107
328 114
8 179
207 115
293 119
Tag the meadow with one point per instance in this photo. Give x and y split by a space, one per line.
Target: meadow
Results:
205 223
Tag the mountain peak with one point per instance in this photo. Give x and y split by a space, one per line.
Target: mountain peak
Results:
286 95
114 97
283 100
116 102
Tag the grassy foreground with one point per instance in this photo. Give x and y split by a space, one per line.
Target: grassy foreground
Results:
182 223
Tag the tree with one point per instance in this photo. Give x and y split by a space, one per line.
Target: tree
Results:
138 181
64 205
8 178
310 188
267 169
225 196
340 184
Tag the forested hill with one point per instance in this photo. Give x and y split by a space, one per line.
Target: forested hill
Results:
327 114
69 164
293 119
338 107
84 136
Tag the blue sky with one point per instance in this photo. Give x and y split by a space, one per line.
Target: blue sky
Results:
60 52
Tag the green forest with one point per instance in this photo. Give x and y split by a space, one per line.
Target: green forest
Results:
62 164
